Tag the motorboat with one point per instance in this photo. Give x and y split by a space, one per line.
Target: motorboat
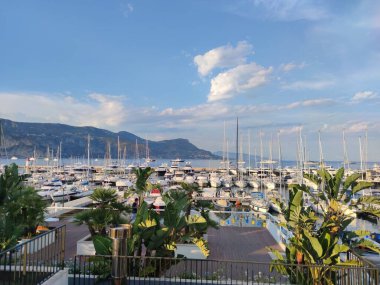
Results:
222 205
159 204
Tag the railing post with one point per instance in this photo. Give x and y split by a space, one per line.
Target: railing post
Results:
63 242
25 258
119 237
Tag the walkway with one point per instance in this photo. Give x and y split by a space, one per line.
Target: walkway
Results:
239 243
226 243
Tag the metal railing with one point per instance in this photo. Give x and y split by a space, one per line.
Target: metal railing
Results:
35 260
151 270
238 218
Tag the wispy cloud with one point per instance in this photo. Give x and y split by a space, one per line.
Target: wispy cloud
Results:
238 80
223 57
351 126
126 8
357 127
291 65
313 85
364 96
308 103
292 10
290 130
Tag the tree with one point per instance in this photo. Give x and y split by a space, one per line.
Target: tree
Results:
142 175
21 208
108 212
320 241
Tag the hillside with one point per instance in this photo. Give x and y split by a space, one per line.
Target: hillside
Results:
21 139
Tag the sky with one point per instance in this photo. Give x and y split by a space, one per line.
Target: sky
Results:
160 69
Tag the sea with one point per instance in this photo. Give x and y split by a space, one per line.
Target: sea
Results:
197 163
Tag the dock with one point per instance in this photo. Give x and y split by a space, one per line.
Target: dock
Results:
56 211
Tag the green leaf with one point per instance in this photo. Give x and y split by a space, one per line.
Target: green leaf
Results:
361 233
276 253
350 180
338 181
360 186
102 244
339 248
316 246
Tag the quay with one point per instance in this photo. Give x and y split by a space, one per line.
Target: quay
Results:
78 204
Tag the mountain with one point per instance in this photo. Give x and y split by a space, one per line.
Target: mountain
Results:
21 139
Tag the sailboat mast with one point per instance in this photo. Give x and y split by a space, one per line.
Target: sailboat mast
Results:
249 151
346 161
321 158
88 151
279 160
361 155
2 143
237 144
60 154
224 142
366 151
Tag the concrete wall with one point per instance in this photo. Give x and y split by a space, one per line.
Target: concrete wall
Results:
60 278
85 246
276 233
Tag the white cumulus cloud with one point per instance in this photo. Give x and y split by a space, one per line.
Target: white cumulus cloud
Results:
364 95
238 80
223 57
97 110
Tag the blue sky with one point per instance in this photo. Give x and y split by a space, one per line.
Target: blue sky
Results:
169 69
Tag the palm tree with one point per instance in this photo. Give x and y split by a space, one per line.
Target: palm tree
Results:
142 175
108 212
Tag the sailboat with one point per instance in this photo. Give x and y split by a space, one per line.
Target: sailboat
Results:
147 153
240 182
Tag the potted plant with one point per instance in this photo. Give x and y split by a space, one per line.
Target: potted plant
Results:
107 213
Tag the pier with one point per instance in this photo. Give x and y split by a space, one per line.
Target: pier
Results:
78 204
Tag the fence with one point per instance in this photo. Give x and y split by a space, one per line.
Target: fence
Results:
238 218
157 271
35 260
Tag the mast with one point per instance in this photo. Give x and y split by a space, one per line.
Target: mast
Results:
224 143
366 151
361 156
146 150
60 155
237 144
346 161
118 151
249 151
279 159
321 158
88 155
2 143
137 153
228 162
261 160
301 155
